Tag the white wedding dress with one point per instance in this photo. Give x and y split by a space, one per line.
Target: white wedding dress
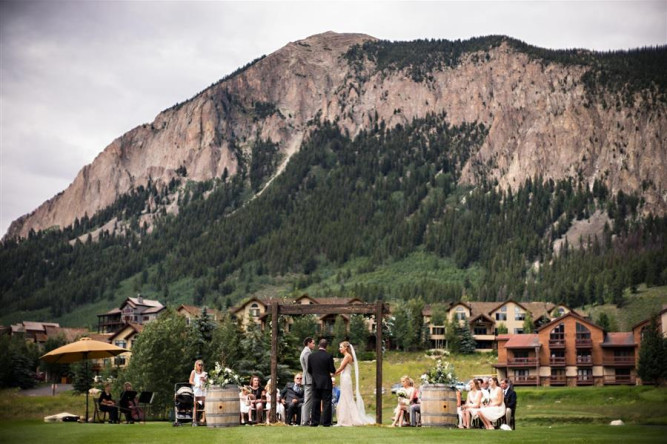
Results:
351 412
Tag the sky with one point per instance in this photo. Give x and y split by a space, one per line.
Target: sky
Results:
75 75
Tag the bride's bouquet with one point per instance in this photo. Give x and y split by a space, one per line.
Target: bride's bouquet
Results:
223 376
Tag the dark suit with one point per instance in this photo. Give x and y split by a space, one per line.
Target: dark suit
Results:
510 402
321 367
290 393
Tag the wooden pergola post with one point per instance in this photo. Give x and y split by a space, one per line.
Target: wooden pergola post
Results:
378 309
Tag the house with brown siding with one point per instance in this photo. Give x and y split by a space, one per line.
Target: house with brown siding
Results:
570 350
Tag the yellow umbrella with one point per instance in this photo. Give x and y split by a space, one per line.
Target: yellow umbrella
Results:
82 350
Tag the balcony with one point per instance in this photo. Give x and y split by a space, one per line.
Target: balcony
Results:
584 361
525 380
558 380
557 361
557 341
522 362
586 380
620 380
619 361
583 341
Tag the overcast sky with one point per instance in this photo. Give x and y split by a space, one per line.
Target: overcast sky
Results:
75 75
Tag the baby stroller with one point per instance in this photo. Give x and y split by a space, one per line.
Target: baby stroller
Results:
184 401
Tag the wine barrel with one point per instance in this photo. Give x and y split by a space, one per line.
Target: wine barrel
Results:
438 406
222 406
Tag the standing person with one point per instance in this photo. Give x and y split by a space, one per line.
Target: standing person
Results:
350 412
321 367
292 396
308 346
198 382
510 398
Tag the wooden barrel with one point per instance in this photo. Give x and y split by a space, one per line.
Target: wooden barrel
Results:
222 406
438 406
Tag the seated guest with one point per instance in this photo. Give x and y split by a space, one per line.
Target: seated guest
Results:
292 398
496 407
256 400
244 400
415 407
509 396
107 404
459 407
484 387
129 404
280 408
403 402
472 405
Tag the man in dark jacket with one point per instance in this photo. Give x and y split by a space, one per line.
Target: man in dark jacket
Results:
510 398
321 367
292 396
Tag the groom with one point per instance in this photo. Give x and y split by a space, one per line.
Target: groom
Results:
321 367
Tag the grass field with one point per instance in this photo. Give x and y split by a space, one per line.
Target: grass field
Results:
163 432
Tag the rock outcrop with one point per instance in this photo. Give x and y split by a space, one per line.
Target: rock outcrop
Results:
539 116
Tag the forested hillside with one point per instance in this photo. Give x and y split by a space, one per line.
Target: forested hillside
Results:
381 196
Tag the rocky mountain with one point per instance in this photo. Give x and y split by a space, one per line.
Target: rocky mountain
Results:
550 114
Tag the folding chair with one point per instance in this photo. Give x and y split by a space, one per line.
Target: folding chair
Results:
99 415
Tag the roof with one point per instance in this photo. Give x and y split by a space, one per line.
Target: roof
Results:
152 310
264 302
647 320
523 341
619 339
482 316
572 314
145 302
131 325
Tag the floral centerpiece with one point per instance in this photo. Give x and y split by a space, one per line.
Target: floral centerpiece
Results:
442 373
223 376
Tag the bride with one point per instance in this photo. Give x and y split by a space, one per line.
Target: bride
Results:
350 412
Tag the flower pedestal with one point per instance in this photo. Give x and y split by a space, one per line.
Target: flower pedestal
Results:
223 408
438 406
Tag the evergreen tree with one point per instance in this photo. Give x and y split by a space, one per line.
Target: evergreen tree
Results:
603 321
652 366
358 332
82 376
203 329
467 344
528 326
452 337
339 331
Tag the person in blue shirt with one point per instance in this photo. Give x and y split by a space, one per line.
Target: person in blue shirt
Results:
335 395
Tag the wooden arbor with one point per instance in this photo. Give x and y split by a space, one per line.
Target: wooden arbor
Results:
378 309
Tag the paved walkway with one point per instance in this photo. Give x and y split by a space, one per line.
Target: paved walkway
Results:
45 390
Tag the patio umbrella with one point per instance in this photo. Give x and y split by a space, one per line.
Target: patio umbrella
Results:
82 350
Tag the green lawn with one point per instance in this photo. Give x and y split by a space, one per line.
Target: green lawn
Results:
162 432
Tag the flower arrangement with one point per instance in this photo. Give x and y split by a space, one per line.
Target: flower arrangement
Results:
223 376
402 393
442 373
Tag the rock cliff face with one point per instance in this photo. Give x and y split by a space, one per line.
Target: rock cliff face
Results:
540 121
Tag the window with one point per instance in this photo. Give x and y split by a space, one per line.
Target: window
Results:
479 330
584 357
254 310
502 314
120 343
519 315
438 331
518 331
460 314
585 374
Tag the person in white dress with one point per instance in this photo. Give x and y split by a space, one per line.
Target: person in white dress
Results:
403 402
350 411
496 407
198 382
472 405
280 408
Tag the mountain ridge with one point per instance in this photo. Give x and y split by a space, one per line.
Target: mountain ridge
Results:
542 120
